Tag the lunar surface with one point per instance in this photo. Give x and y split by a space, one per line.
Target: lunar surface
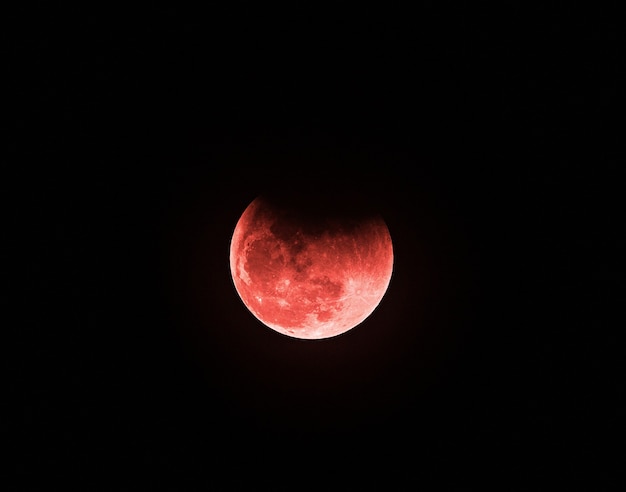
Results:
308 273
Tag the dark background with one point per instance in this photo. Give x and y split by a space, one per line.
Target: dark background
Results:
485 136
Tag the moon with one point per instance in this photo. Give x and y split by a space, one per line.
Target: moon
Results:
310 269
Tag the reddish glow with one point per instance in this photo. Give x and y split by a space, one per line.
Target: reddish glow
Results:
309 283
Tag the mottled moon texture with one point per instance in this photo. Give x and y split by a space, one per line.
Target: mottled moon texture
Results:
310 270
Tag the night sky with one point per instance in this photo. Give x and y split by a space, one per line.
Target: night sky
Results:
483 136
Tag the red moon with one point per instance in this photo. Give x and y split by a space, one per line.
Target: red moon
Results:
309 275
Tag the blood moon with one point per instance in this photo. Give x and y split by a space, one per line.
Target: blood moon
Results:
310 269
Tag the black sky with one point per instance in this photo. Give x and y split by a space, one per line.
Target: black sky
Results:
483 135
